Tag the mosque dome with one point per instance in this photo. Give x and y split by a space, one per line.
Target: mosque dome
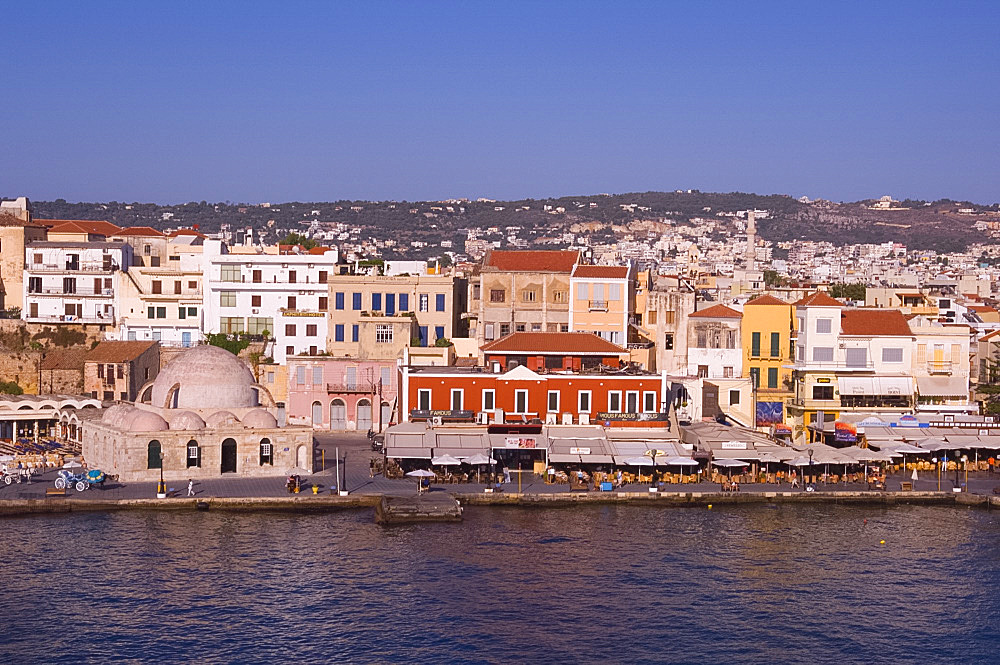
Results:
222 419
187 420
147 421
260 419
205 377
113 414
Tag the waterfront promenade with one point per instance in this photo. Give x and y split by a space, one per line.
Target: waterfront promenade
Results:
354 459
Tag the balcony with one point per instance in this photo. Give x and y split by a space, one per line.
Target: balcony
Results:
103 319
831 366
89 268
939 367
79 292
359 387
597 305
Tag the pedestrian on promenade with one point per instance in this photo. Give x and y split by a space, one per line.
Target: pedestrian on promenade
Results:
190 487
371 468
795 480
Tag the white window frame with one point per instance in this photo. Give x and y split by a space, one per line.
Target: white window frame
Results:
517 396
638 404
461 399
493 399
579 401
829 325
383 333
421 393
548 400
424 302
618 394
646 394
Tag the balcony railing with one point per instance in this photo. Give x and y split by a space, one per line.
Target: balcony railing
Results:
73 267
78 291
939 366
366 387
598 305
105 319
832 364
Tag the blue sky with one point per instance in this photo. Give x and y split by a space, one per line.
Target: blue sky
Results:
174 102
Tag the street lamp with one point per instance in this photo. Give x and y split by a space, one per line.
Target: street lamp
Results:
935 460
965 465
161 487
811 453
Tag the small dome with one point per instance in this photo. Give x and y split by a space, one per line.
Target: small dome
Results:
222 419
123 420
206 377
187 420
114 413
260 419
147 421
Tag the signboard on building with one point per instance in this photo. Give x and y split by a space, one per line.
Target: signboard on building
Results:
734 445
442 413
520 442
845 432
579 451
633 417
770 413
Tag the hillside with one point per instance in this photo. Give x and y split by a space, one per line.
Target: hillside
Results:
921 225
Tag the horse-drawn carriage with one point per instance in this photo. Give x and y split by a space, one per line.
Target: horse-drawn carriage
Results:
80 481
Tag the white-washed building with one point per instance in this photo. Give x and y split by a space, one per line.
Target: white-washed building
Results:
714 347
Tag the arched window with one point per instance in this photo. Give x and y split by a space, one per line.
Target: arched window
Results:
317 414
154 455
364 415
193 454
266 452
338 414
229 456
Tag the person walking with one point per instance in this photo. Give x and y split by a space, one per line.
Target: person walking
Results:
371 468
190 487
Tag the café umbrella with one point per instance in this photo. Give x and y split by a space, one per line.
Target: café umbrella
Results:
639 461
730 464
478 460
445 460
418 474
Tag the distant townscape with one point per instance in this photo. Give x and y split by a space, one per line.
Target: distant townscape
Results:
799 321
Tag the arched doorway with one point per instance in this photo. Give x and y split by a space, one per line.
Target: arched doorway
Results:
154 455
229 456
301 461
317 414
364 415
386 415
338 414
266 452
193 454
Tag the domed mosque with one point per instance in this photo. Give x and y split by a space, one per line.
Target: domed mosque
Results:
203 416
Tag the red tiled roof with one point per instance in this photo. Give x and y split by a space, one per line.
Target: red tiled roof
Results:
818 299
96 227
982 308
989 335
140 231
601 272
767 300
118 352
717 312
58 359
11 220
571 343
187 232
319 250
532 260
874 322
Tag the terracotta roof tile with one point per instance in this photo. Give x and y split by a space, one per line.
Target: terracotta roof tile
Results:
717 312
97 227
118 352
532 260
187 232
818 299
546 342
601 272
11 220
57 359
767 300
140 231
874 322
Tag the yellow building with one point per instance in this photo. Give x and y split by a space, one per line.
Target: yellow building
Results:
15 234
767 329
601 301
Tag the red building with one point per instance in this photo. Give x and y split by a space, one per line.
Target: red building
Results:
548 377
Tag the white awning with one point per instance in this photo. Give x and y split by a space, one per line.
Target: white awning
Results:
943 386
875 385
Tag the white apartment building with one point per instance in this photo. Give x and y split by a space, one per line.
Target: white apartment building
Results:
164 303
284 295
73 282
714 347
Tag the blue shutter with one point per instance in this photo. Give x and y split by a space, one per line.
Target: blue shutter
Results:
404 302
339 299
354 332
376 302
390 304
438 332
423 335
339 332
439 302
357 302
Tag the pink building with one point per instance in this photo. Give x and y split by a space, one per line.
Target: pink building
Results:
342 393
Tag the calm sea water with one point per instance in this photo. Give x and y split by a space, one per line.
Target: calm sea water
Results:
787 584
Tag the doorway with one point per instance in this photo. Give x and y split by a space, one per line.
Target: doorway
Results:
338 414
364 415
229 456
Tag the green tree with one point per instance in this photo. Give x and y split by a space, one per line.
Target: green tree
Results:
232 343
854 291
10 388
297 239
772 278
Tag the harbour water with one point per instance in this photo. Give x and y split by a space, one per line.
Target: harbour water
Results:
603 584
